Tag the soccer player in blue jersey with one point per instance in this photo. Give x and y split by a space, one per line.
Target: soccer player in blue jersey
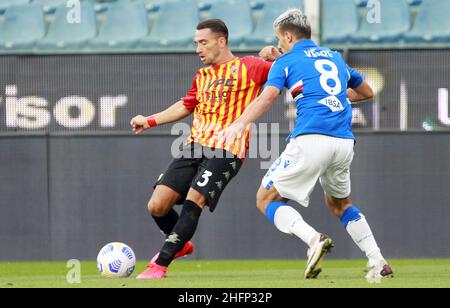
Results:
321 144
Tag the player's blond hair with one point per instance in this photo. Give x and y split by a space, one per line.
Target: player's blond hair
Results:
294 21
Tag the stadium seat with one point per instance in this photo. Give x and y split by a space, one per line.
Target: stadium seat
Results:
432 23
415 2
256 4
238 17
150 5
361 3
264 34
124 26
23 25
63 34
174 26
101 6
395 21
49 6
338 30
4 4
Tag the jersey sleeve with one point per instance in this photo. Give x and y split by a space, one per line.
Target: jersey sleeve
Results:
257 69
355 79
190 100
277 75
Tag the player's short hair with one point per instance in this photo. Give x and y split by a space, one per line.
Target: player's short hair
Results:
215 25
295 22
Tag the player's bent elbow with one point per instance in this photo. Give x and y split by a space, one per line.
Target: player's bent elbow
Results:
261 204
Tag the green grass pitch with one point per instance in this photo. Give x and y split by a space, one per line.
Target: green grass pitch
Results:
233 274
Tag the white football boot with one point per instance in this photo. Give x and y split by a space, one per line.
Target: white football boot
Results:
316 253
379 271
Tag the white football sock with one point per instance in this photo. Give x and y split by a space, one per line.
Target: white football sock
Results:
289 221
362 235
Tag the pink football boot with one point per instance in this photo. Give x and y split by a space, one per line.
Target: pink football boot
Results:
153 271
187 250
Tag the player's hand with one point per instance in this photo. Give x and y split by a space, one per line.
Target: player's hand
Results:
232 133
139 124
270 53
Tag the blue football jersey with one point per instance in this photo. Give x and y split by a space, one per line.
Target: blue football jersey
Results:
318 79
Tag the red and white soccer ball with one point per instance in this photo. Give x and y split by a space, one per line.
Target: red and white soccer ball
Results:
116 260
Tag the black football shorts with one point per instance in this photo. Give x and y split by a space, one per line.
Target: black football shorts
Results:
206 173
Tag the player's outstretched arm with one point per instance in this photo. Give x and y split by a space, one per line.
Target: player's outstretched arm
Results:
259 106
361 93
254 111
174 113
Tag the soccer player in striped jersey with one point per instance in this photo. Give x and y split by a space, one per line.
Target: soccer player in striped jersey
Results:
220 93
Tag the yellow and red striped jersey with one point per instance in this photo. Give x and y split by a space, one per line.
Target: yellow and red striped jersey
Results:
219 95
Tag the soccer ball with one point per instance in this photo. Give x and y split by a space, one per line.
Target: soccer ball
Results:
116 260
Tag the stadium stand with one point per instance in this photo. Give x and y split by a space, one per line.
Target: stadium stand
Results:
237 15
23 25
49 6
4 4
150 5
124 26
263 33
361 3
395 20
338 30
179 34
62 34
155 25
432 23
364 3
415 2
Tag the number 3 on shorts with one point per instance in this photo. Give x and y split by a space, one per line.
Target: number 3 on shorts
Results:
206 175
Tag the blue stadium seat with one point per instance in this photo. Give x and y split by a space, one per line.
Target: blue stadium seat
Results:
204 6
432 23
415 2
257 4
336 29
4 4
150 5
124 26
64 35
264 34
101 6
238 17
23 25
49 6
174 26
361 3
395 22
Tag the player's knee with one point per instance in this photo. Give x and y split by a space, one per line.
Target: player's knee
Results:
158 208
197 198
337 206
329 201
